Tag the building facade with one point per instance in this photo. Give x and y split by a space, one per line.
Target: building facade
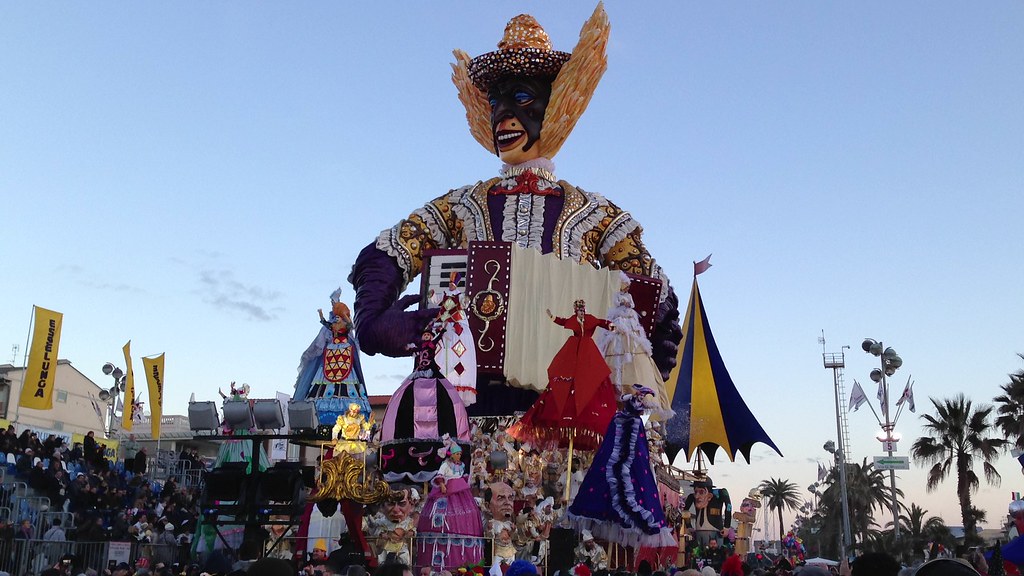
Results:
76 405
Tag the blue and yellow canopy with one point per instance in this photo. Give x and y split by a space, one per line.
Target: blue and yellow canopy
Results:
709 411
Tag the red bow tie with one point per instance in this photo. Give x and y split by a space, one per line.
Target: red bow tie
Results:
526 183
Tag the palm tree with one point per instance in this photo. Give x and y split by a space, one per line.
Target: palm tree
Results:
780 494
957 435
1010 410
866 492
918 529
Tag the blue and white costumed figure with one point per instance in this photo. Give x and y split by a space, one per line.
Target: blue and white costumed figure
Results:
329 370
618 500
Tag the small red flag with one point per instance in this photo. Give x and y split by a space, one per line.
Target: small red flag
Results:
702 266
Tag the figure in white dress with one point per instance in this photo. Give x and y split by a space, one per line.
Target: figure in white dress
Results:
627 351
456 352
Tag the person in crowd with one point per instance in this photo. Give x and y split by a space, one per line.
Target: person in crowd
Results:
394 569
139 464
946 567
90 448
164 545
23 465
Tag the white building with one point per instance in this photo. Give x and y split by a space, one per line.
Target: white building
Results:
75 402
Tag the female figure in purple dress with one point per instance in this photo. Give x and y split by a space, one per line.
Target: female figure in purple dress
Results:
618 500
450 530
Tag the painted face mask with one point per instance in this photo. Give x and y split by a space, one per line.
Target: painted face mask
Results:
517 115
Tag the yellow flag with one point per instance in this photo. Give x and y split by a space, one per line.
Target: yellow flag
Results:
41 372
155 377
129 389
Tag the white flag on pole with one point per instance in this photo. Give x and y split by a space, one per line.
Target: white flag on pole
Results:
857 397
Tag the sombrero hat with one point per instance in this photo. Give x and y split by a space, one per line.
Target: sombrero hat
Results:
524 50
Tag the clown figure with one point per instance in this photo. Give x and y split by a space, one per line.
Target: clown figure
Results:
522 102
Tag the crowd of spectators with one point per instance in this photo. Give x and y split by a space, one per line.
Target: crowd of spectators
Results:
92 499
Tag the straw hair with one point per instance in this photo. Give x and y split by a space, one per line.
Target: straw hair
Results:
575 83
571 90
478 111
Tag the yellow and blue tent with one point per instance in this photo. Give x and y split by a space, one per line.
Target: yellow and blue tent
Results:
709 411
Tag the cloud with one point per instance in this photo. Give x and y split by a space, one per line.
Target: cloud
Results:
81 277
220 289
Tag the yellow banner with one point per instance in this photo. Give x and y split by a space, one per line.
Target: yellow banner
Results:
41 372
155 377
129 389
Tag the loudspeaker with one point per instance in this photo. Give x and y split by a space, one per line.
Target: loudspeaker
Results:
563 550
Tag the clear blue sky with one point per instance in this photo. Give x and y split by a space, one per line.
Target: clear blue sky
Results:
198 177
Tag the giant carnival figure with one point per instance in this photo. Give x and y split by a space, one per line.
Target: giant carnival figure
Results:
712 514
522 101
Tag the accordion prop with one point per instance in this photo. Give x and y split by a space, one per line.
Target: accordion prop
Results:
509 289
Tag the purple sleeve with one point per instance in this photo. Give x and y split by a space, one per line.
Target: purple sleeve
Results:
382 324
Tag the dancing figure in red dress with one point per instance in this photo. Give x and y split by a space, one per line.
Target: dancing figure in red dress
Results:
580 399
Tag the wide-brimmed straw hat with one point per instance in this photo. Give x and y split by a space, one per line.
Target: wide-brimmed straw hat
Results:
524 50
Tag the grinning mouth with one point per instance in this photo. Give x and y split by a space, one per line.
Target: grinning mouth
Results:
507 139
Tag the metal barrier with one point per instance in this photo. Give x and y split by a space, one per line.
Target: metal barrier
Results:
31 557
67 519
31 508
11 490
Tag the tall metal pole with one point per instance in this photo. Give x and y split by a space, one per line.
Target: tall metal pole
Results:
845 542
889 426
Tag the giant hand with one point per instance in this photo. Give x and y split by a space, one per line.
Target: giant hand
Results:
383 326
667 334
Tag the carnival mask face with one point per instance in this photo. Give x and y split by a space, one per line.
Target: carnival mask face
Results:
398 511
701 497
517 114
747 507
502 501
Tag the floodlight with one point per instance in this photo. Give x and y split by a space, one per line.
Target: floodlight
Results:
267 414
203 416
238 415
302 415
107 369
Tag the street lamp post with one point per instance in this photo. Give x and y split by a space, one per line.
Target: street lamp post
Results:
890 362
111 396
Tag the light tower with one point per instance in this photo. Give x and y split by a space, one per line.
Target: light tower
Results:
836 362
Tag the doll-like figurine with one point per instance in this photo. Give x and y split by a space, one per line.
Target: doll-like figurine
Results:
329 369
351 431
451 520
456 351
745 521
504 549
628 354
395 548
580 399
589 552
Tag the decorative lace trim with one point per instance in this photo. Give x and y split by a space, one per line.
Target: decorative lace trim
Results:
523 220
542 167
582 220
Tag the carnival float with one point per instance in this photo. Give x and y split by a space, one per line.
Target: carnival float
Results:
552 383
